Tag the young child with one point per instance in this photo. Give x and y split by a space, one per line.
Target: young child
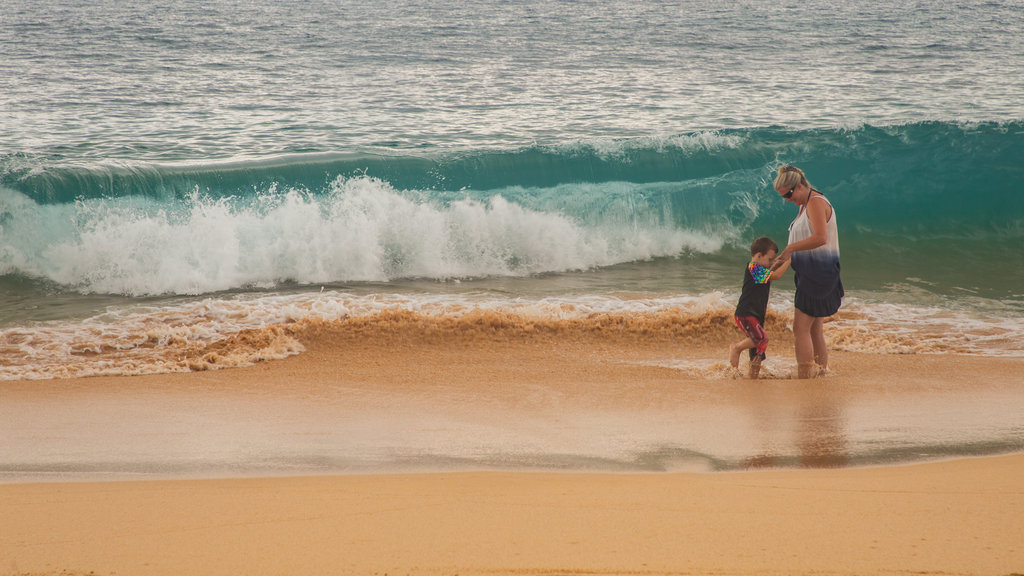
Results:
753 303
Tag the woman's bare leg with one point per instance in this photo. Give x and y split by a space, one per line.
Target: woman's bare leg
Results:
818 342
804 344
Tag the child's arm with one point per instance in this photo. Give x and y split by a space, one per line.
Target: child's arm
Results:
778 269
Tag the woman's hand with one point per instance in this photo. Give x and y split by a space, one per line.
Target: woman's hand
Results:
781 259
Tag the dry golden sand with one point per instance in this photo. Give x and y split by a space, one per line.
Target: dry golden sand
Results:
954 517
961 517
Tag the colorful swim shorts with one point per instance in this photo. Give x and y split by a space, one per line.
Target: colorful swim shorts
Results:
752 328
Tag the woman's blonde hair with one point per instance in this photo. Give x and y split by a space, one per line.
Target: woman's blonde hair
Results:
789 177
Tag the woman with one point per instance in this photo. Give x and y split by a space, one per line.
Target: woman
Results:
813 249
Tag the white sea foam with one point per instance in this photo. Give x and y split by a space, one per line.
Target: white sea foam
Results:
363 229
907 329
141 339
609 148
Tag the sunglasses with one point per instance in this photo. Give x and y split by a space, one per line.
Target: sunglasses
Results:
789 194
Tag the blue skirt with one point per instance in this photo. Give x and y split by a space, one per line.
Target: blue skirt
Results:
814 299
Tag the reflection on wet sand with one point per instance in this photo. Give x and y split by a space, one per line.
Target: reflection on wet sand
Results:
805 416
821 437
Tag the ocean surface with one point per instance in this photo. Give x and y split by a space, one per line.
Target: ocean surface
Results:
174 172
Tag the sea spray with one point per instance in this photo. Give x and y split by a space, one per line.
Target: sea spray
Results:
362 229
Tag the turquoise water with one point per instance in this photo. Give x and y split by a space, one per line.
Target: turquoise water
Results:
934 201
159 153
173 172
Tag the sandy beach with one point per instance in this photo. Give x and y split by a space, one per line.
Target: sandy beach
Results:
961 517
799 498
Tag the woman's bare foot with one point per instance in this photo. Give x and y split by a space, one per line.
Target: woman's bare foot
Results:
822 366
806 370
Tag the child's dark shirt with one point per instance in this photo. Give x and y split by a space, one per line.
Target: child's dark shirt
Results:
756 288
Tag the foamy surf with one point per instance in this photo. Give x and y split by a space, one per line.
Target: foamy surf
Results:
223 332
779 366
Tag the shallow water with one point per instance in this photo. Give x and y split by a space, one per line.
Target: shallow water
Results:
713 424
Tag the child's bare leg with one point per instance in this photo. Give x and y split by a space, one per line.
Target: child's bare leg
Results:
818 343
736 349
755 368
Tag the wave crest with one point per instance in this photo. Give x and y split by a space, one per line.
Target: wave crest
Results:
363 230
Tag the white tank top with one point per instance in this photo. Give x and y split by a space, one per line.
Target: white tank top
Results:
816 271
801 229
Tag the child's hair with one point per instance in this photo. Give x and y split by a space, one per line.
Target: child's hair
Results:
763 245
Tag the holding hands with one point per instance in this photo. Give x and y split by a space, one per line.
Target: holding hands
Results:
781 259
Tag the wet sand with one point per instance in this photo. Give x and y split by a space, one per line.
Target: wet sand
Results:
413 396
509 449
